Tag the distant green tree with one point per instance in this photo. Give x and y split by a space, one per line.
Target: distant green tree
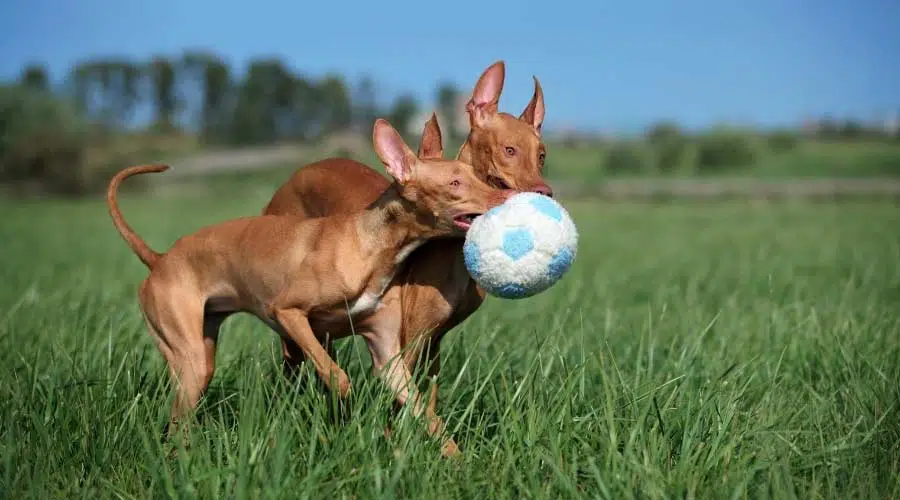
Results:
103 71
118 90
80 83
211 78
447 96
402 112
96 93
217 88
34 76
266 104
365 106
827 128
627 157
669 145
130 90
722 149
782 141
852 130
190 85
284 96
896 129
337 111
253 122
306 109
165 97
42 141
663 131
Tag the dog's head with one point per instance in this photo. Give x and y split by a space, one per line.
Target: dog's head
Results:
447 194
507 152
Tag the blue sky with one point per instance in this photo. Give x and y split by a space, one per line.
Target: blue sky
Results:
602 64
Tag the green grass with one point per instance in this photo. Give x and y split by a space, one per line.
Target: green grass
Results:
810 159
715 351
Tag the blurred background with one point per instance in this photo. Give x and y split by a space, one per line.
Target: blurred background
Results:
727 347
638 94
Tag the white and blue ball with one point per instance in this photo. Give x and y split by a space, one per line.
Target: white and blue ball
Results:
521 247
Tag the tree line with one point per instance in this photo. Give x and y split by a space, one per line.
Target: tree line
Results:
201 92
67 137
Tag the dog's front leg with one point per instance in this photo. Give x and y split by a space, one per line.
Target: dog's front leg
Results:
296 326
389 365
293 357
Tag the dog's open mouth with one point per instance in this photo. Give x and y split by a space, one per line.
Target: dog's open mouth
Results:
464 221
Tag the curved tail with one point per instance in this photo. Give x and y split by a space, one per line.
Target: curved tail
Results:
147 255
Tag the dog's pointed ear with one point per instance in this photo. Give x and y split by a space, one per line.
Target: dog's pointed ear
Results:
534 112
486 96
395 155
431 147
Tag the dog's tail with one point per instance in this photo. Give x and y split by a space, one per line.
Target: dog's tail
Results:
147 255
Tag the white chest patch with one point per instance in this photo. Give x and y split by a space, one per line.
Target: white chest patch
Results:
366 303
369 302
405 251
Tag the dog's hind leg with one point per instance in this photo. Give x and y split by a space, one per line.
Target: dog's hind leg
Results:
212 323
175 319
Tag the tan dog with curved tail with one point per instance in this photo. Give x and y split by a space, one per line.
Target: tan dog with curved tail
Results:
303 276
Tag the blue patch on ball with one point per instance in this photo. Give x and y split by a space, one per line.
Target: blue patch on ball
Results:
493 212
472 257
517 243
560 263
547 206
511 291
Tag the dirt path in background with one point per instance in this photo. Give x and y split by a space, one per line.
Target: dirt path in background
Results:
616 189
239 159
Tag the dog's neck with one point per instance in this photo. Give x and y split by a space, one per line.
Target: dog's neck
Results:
466 154
393 222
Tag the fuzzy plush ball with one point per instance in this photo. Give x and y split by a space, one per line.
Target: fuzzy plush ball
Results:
522 247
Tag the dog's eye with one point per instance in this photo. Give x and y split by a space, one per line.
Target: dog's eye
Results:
541 158
454 183
511 151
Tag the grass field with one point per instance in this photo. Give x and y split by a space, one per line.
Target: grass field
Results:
694 351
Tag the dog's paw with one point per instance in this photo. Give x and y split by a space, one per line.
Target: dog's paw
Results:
343 386
449 449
